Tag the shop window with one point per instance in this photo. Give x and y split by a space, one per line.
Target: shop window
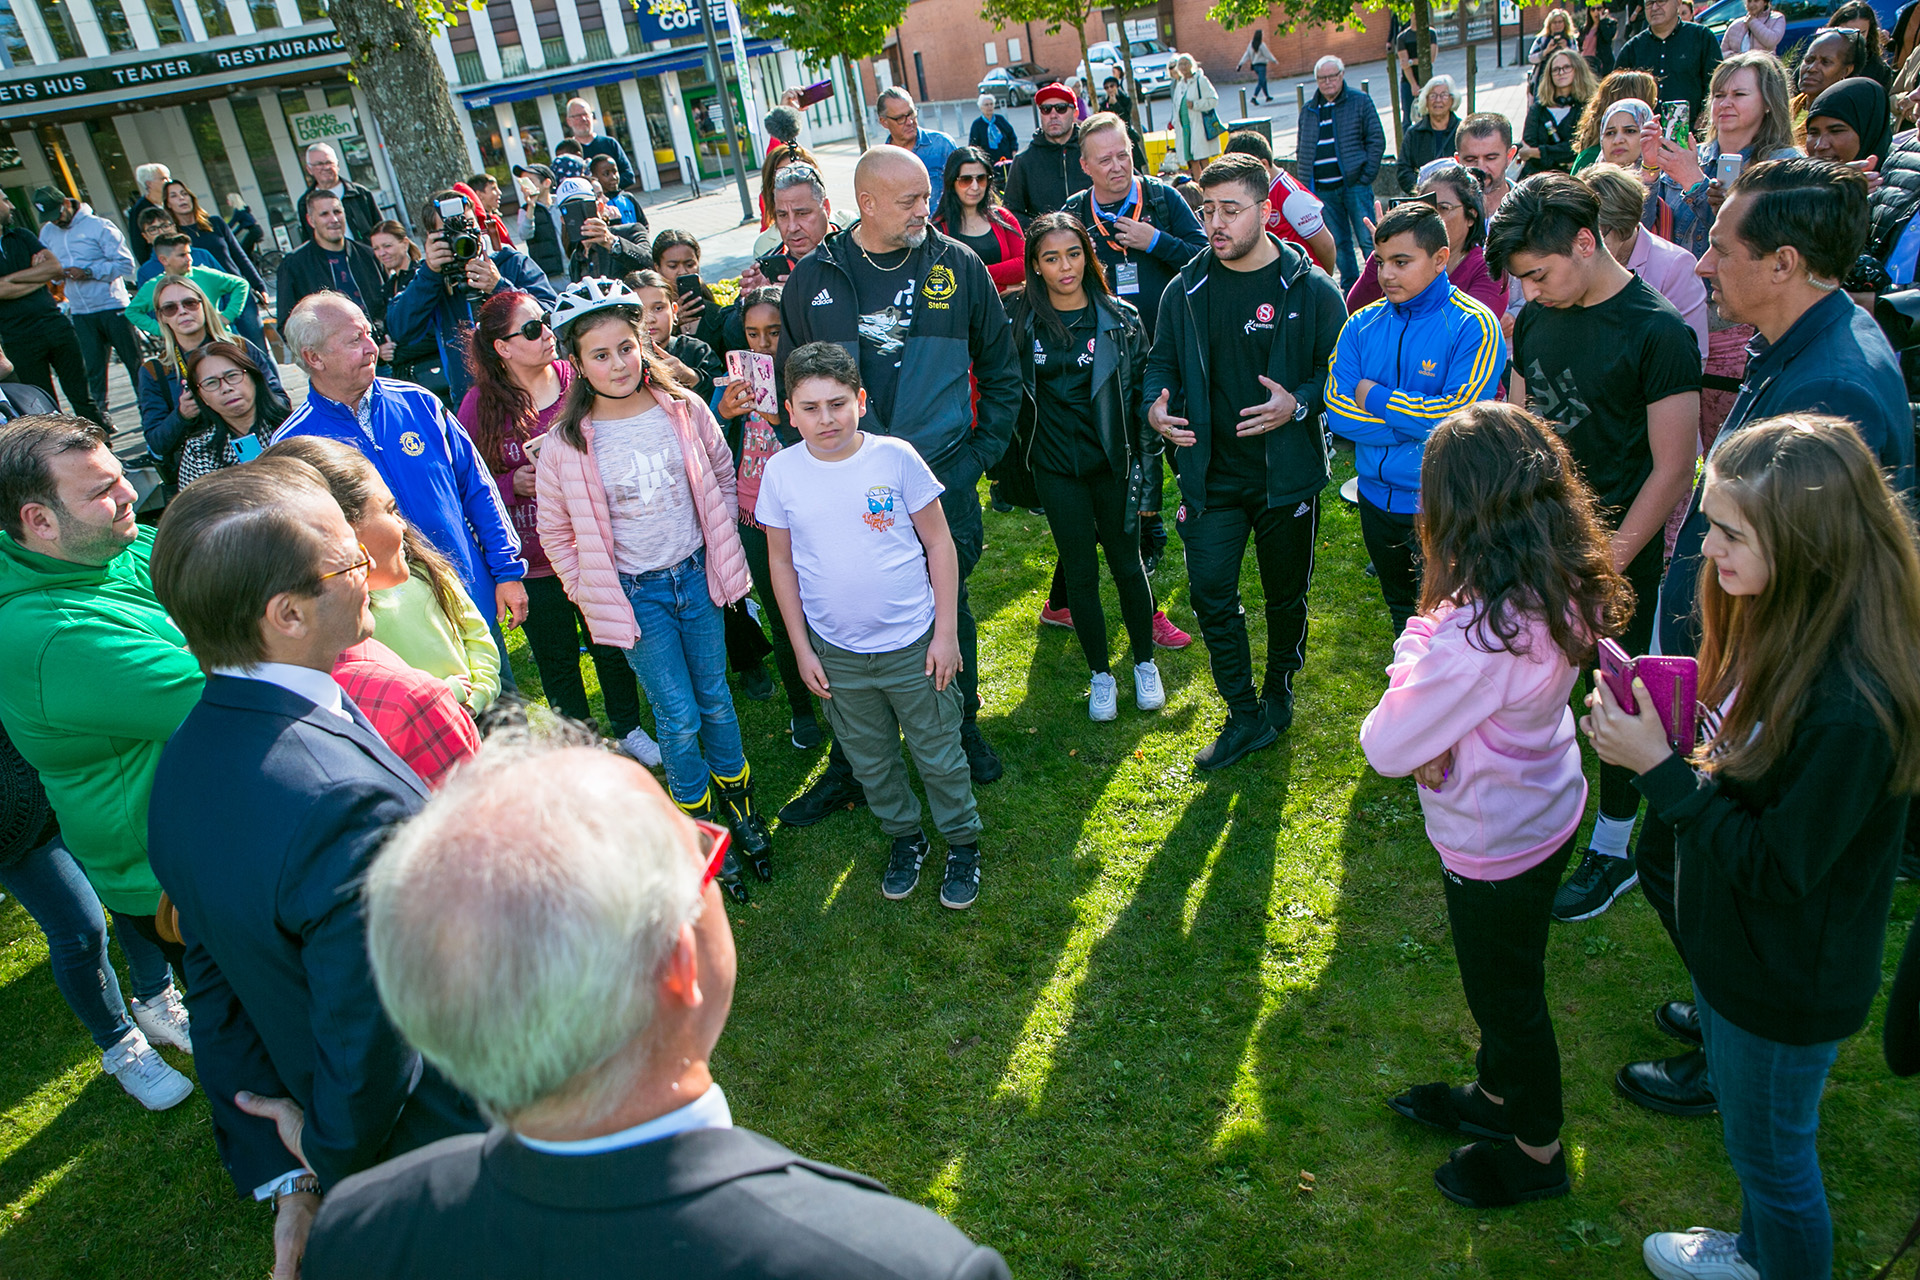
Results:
113 159
653 101
266 14
513 60
266 165
14 51
467 67
493 150
212 150
66 173
169 21
214 17
533 134
112 16
555 52
313 10
599 47
60 29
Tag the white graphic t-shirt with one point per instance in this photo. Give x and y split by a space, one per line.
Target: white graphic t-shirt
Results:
645 476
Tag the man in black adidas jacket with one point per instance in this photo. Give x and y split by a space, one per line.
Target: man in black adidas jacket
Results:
1236 384
920 314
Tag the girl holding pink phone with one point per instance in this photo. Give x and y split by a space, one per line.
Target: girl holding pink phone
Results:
1789 816
1517 584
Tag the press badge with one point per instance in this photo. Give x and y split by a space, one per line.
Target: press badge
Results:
1126 277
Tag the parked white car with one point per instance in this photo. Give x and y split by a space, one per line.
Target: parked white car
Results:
1151 63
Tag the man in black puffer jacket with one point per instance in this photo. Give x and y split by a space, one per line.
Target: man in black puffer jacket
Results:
1048 171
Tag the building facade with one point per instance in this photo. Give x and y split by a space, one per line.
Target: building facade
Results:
229 93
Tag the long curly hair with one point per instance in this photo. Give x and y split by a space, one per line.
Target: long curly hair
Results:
1842 594
1508 525
502 407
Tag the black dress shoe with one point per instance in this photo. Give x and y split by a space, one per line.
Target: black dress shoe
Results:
1679 1019
1243 735
835 791
1671 1086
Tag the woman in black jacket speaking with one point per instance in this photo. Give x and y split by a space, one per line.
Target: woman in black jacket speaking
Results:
1789 817
1082 433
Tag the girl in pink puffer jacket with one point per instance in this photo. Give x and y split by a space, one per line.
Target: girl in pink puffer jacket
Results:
1517 581
635 486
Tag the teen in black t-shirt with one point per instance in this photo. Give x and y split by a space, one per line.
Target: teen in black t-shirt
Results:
1241 318
1610 363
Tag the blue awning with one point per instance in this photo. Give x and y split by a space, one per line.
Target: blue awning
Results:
652 63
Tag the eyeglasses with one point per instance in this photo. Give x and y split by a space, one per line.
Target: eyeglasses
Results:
905 115
533 328
972 180
1053 108
1211 209
715 841
219 381
175 308
364 562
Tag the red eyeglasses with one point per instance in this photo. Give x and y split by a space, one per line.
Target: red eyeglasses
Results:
717 839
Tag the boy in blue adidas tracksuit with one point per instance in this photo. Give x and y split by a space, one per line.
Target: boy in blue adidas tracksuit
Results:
1401 365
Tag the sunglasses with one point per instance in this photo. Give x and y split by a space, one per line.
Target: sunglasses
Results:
1054 108
175 308
364 562
715 840
972 180
533 328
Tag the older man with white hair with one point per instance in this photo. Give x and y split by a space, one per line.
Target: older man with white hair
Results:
422 452
583 122
152 180
1337 154
579 1001
901 119
323 174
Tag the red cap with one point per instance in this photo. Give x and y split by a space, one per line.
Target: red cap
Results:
1055 92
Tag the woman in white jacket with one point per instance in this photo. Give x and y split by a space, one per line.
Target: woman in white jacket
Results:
1193 97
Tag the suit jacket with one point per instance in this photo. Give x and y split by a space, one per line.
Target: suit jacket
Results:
305 271
265 814
706 1203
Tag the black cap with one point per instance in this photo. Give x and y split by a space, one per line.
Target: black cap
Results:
537 170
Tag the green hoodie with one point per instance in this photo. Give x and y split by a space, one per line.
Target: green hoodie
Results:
96 680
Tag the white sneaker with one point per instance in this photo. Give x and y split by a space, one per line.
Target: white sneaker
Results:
143 1073
164 1019
1698 1253
1103 698
1148 693
641 747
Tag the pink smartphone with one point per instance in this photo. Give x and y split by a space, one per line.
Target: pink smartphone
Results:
818 91
1672 685
758 370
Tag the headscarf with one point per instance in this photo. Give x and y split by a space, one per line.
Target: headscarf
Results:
1642 113
1860 104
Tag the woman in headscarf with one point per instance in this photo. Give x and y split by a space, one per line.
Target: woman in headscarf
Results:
1617 87
1848 121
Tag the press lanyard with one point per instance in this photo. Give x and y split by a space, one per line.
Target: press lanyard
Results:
1136 200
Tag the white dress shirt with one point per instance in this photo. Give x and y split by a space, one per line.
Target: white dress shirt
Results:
708 1111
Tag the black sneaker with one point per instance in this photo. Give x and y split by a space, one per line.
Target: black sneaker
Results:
1153 542
834 792
982 761
1243 735
962 884
903 866
1278 710
1001 505
804 732
756 683
1593 886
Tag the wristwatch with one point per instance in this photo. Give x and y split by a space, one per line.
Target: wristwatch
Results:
287 1186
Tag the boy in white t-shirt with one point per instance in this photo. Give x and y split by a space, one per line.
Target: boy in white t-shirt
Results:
868 578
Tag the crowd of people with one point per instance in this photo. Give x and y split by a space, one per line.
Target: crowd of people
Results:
1626 419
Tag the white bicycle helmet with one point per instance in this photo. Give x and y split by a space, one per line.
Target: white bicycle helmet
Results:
596 293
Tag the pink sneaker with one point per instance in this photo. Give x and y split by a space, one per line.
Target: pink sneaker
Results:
1063 617
1166 635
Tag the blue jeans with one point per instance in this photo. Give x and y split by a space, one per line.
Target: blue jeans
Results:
51 887
681 661
1260 89
1347 204
1769 1095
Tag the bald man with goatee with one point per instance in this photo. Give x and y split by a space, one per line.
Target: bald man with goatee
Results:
921 314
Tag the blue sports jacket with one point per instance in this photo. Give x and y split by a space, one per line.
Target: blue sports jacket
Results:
437 476
1427 357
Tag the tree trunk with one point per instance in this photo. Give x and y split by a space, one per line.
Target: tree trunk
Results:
1423 28
390 56
850 67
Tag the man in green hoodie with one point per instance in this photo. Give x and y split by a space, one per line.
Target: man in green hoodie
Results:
97 677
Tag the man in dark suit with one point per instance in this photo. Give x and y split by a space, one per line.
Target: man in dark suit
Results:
579 1001
266 581
331 261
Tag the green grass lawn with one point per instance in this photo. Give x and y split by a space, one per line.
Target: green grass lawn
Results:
1177 998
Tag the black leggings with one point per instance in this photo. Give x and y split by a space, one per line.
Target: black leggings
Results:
555 631
1500 940
1083 511
1619 798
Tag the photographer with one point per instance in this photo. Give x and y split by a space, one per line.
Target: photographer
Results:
595 241
459 271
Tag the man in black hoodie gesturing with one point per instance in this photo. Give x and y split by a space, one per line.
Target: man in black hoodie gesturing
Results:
920 313
1048 171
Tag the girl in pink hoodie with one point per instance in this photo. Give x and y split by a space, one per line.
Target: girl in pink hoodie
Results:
1517 582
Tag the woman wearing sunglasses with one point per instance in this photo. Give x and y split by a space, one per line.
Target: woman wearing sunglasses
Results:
169 411
239 410
519 384
970 212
